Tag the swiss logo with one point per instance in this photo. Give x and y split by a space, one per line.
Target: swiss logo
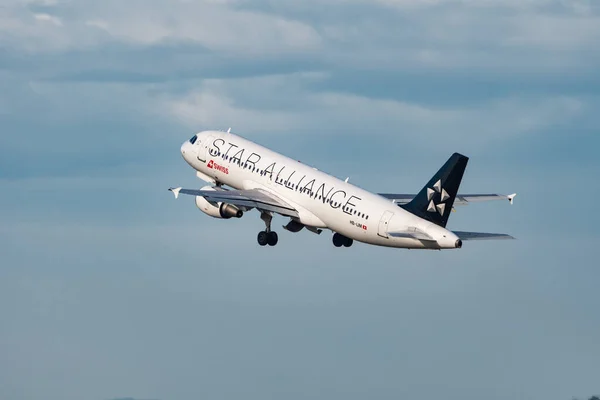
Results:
213 165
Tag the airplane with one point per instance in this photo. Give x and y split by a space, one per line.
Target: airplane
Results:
243 175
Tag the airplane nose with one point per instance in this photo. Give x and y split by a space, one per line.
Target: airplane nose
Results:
184 147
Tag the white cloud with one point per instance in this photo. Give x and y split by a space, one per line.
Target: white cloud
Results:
467 36
216 28
550 32
393 34
209 109
216 104
521 35
48 18
504 4
212 24
98 23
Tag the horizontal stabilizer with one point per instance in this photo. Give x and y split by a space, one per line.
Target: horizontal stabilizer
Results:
481 236
461 199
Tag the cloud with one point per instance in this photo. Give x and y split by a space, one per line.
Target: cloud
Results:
207 23
424 70
257 105
48 18
216 28
99 262
101 95
535 35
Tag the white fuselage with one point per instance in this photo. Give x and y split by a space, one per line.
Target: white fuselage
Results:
322 200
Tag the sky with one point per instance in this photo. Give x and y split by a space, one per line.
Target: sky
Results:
110 288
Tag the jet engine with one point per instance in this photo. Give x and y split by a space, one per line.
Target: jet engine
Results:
217 210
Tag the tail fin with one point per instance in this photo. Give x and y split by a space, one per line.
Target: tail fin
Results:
435 201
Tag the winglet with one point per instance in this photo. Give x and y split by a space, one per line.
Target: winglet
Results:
511 197
175 191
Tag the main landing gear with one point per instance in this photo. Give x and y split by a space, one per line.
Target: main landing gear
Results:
267 237
341 240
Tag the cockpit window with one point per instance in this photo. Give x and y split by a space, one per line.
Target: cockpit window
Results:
193 139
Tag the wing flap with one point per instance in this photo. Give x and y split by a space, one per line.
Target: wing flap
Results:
253 198
482 236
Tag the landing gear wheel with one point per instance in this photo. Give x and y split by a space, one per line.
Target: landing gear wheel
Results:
263 238
348 242
338 240
272 238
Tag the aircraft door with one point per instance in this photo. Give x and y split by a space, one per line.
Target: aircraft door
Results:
203 148
384 223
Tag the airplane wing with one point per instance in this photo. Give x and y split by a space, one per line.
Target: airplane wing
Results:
461 199
481 236
253 198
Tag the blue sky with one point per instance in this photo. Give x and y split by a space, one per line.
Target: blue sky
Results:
110 288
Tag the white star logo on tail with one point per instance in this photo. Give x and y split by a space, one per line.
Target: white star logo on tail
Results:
437 188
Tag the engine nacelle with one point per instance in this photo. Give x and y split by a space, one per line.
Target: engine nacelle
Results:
217 210
229 210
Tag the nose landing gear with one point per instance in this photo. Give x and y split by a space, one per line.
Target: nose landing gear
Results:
341 240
